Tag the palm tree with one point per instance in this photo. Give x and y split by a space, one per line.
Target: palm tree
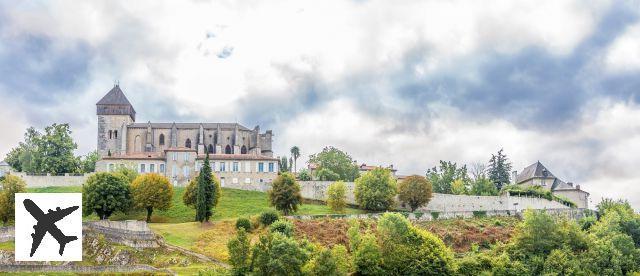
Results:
295 153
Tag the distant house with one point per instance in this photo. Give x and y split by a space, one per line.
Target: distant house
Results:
4 168
538 175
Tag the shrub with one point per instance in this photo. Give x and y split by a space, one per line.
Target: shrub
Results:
268 217
343 260
367 257
277 254
285 194
304 175
479 214
282 226
435 215
323 264
337 196
243 223
11 185
106 193
151 191
375 190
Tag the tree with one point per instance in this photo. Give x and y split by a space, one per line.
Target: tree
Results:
283 164
337 196
323 264
375 190
285 193
151 191
484 187
337 162
105 193
458 187
499 170
240 253
367 256
295 153
189 196
127 172
206 193
22 158
415 191
442 178
11 185
87 163
304 175
327 175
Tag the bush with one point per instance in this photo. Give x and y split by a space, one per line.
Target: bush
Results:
435 215
537 191
151 191
375 190
268 217
282 226
285 194
479 214
343 260
277 254
243 223
337 196
367 257
415 191
11 185
323 264
106 193
304 175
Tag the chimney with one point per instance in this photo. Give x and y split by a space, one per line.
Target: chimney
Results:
578 187
570 184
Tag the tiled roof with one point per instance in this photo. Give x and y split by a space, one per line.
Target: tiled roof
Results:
237 157
114 97
190 125
142 155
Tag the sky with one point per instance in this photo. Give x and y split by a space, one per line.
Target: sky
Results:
403 82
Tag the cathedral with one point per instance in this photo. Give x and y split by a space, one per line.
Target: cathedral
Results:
238 155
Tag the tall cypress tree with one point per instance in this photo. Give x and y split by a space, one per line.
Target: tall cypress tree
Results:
204 192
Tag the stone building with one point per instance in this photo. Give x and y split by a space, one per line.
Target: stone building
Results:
238 155
537 174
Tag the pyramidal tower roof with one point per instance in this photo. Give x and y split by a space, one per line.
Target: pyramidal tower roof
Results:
115 103
114 97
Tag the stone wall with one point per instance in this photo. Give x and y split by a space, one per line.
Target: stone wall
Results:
81 269
7 234
133 233
38 181
316 190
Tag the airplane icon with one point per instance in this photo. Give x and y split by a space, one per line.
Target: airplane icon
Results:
47 223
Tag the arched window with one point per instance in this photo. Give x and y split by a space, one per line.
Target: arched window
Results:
210 148
243 150
161 139
137 144
227 150
115 134
187 144
110 133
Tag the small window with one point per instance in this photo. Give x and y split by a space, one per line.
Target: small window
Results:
187 144
227 149
161 140
152 168
115 134
271 167
243 150
161 168
210 148
110 133
142 168
235 166
260 167
223 166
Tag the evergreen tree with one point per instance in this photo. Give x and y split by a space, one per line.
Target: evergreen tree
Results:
205 193
499 168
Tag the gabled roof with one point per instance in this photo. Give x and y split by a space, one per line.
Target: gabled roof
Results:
532 171
3 163
114 97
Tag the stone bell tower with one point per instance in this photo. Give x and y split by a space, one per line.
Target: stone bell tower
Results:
114 112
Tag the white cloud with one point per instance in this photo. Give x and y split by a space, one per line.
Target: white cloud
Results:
623 54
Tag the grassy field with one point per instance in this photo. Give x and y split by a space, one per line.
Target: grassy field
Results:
233 204
7 245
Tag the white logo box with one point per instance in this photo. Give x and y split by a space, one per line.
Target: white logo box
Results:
69 225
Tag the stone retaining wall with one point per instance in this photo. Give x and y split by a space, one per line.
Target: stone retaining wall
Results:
131 233
573 214
82 269
39 181
7 234
316 190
